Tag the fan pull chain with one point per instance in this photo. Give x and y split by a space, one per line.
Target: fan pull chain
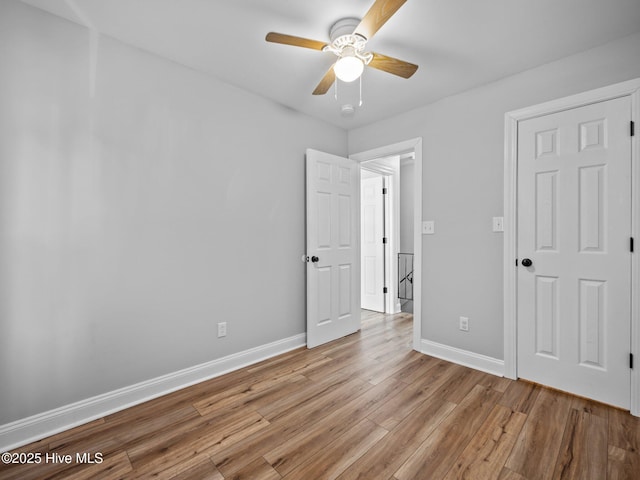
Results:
360 104
335 95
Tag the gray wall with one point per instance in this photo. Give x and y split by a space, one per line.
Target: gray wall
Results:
463 145
136 213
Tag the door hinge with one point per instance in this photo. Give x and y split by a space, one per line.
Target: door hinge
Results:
384 290
632 128
631 244
631 361
384 190
384 239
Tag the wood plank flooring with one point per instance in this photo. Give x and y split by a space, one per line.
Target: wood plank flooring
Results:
363 407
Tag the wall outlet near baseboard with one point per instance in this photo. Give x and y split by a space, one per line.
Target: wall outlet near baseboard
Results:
464 324
222 329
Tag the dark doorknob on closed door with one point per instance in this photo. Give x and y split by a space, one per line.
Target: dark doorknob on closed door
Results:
526 262
315 259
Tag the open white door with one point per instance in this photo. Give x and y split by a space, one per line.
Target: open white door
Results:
333 253
372 246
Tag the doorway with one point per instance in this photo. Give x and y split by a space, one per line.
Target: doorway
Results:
405 153
380 233
386 218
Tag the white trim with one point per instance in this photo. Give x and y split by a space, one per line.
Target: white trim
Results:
463 357
510 247
36 427
414 145
635 258
629 88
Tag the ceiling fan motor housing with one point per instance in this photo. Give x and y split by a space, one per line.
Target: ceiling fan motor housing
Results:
345 43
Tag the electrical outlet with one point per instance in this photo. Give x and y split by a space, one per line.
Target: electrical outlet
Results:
464 324
222 329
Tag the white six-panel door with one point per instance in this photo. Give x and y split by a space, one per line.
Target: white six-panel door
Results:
333 266
574 225
372 248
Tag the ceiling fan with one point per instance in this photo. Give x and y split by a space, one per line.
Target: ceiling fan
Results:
349 38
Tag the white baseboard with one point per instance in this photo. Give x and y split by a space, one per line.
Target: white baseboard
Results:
36 427
463 357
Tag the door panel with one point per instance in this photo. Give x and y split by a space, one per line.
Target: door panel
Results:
324 295
333 281
546 211
574 223
592 210
546 317
344 213
593 297
344 291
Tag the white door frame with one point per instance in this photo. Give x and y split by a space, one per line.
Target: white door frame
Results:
629 88
414 145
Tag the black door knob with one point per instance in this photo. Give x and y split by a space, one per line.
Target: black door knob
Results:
314 259
526 262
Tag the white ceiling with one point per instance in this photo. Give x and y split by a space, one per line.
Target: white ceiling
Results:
458 44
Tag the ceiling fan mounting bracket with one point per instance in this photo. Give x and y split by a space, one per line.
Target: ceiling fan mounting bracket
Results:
344 26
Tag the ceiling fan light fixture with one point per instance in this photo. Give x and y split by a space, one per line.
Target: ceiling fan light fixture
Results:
348 68
348 41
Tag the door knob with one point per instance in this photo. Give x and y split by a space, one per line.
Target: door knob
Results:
314 259
526 262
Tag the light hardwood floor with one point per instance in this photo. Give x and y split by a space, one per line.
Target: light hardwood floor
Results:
362 407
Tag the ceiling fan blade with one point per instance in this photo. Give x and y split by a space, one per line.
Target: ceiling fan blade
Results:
393 65
326 82
377 16
295 41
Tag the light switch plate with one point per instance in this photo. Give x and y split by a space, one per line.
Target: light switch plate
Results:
428 227
498 224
